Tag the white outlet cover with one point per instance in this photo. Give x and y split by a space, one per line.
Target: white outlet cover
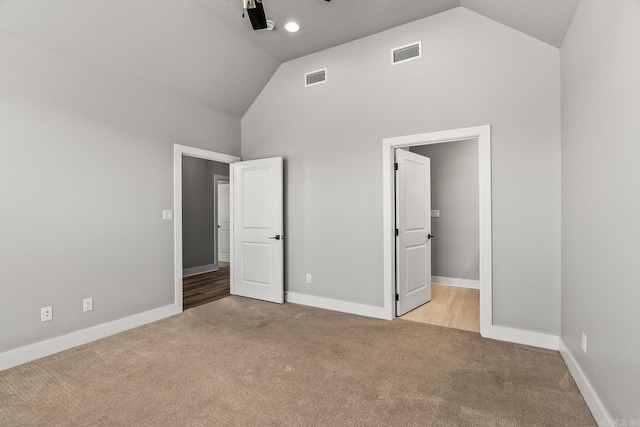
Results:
87 304
584 342
167 215
308 278
46 314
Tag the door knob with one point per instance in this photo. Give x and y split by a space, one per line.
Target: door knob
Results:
277 237
430 236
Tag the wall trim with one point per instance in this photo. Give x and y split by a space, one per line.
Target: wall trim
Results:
594 403
501 333
336 305
199 270
51 346
28 353
521 336
458 283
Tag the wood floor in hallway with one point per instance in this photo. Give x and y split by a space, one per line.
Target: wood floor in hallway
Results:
450 306
206 287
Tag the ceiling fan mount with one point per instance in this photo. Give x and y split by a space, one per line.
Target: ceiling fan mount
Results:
256 13
258 19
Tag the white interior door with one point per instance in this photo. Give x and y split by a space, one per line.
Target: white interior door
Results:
258 240
413 222
224 218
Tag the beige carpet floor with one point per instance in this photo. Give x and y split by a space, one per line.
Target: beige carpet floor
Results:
242 362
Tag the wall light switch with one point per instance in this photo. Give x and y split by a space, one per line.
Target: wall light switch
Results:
435 213
167 215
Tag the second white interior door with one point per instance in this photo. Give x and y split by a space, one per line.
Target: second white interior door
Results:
258 240
413 224
224 244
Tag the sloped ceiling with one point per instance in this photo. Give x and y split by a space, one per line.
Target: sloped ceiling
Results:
546 20
175 44
327 24
205 51
323 24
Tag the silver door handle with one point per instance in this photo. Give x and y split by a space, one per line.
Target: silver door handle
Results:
277 237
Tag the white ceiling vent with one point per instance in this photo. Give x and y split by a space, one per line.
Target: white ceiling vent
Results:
315 77
406 53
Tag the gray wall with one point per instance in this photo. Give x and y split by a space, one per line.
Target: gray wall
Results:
454 192
198 210
85 172
474 71
600 203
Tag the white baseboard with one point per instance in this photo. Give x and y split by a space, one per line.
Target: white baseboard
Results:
199 270
336 305
501 333
224 257
521 336
459 283
25 354
597 408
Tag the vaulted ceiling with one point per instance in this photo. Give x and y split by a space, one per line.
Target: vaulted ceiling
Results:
325 24
205 50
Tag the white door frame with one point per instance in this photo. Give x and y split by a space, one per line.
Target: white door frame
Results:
178 152
483 134
216 248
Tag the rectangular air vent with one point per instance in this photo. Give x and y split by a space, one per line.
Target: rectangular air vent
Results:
406 53
315 77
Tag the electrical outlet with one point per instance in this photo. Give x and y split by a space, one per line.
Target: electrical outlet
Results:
308 278
584 343
167 215
435 213
46 314
87 304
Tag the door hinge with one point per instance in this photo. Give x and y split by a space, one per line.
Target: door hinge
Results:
397 232
397 297
395 166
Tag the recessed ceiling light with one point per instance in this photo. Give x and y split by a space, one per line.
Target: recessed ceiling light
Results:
291 26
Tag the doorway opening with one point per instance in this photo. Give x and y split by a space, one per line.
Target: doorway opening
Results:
452 273
206 281
256 224
205 209
483 135
212 209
